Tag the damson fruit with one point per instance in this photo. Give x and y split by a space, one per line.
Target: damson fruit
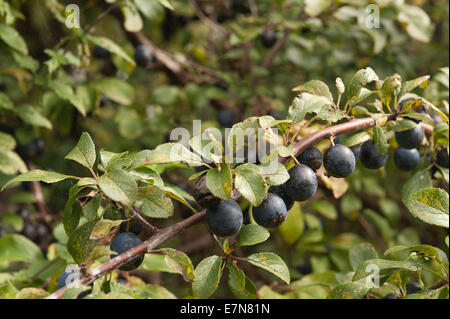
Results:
311 157
410 139
124 242
143 55
271 213
339 161
406 160
442 158
226 118
412 287
280 190
371 157
68 276
100 53
302 183
268 38
225 219
356 149
132 226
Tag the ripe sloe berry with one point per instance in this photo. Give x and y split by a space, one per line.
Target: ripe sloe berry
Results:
406 160
143 55
411 138
280 190
3 87
371 157
226 118
339 161
442 158
412 287
100 53
302 183
271 213
225 219
390 296
356 149
268 38
311 157
64 279
124 242
132 226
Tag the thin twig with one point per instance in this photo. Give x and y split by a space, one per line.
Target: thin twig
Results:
136 213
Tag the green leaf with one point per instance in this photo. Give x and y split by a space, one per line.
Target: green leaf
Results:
241 286
164 154
380 139
252 234
84 152
72 214
293 226
74 292
431 206
167 4
315 7
304 104
315 87
31 116
66 92
354 138
12 38
26 61
120 186
180 262
220 182
274 177
133 21
79 245
272 263
427 250
401 125
325 208
389 87
38 175
416 22
386 268
103 227
32 293
11 163
408 86
359 80
358 254
117 90
5 102
18 248
155 202
207 277
250 183
110 46
349 290
7 142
